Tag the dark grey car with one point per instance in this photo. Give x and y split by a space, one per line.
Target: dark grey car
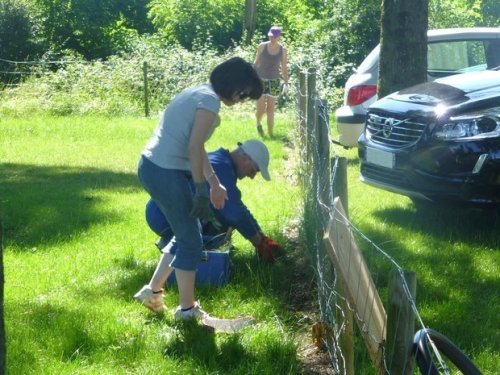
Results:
437 141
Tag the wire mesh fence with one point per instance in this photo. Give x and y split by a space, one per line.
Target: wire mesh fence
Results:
133 85
358 283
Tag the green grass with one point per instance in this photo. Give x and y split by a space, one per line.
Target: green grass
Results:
77 248
455 253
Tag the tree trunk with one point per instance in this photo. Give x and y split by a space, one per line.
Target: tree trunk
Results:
2 328
403 45
250 16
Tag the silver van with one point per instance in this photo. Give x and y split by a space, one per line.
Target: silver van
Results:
450 51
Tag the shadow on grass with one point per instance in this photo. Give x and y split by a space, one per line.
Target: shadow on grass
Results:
239 353
57 331
192 340
457 295
52 203
468 224
251 280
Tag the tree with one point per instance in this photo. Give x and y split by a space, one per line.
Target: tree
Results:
403 45
16 37
250 10
89 27
349 30
220 23
190 22
454 13
490 10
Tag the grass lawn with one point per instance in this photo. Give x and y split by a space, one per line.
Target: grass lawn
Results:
454 252
77 248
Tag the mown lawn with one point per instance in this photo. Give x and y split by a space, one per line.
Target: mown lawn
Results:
454 252
77 248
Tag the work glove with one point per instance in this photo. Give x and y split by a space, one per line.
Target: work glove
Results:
284 89
212 218
201 202
269 250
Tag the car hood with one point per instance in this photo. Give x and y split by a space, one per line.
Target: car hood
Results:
452 90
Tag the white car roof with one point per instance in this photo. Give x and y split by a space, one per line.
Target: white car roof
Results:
439 35
464 33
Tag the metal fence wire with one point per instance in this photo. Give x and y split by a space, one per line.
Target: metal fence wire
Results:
361 334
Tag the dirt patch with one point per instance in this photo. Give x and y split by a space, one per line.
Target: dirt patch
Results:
303 301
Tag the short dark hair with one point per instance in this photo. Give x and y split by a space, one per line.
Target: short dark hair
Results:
234 76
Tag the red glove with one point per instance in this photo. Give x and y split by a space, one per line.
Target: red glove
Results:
269 250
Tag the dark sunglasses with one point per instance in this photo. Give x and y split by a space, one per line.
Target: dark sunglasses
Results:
243 95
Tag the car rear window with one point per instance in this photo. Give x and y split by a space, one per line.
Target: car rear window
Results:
451 57
369 61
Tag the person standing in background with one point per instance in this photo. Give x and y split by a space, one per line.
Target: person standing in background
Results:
271 64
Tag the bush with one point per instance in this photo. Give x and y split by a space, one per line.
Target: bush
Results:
16 38
73 85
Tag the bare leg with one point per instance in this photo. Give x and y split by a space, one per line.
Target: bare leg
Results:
261 109
162 272
271 104
185 284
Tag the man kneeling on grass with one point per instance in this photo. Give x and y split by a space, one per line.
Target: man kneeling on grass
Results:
246 160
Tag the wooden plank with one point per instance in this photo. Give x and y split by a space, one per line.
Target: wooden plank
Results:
401 322
360 290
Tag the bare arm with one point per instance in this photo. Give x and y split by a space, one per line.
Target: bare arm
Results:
198 158
256 61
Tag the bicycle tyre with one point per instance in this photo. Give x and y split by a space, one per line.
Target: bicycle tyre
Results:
446 348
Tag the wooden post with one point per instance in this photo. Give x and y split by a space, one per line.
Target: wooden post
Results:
146 93
302 102
312 115
323 131
347 334
339 166
249 22
3 350
323 149
400 323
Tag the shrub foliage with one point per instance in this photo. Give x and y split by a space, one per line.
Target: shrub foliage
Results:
90 55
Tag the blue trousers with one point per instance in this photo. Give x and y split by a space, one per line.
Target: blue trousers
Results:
171 191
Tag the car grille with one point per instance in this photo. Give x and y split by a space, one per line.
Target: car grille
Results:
388 130
386 176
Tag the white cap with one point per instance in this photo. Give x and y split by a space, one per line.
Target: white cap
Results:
259 154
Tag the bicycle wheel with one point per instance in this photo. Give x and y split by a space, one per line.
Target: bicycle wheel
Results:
449 359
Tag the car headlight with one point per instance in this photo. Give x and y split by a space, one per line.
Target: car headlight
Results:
476 125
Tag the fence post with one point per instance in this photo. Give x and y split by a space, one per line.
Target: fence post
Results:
323 133
400 322
347 334
340 182
312 115
302 100
339 170
146 93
